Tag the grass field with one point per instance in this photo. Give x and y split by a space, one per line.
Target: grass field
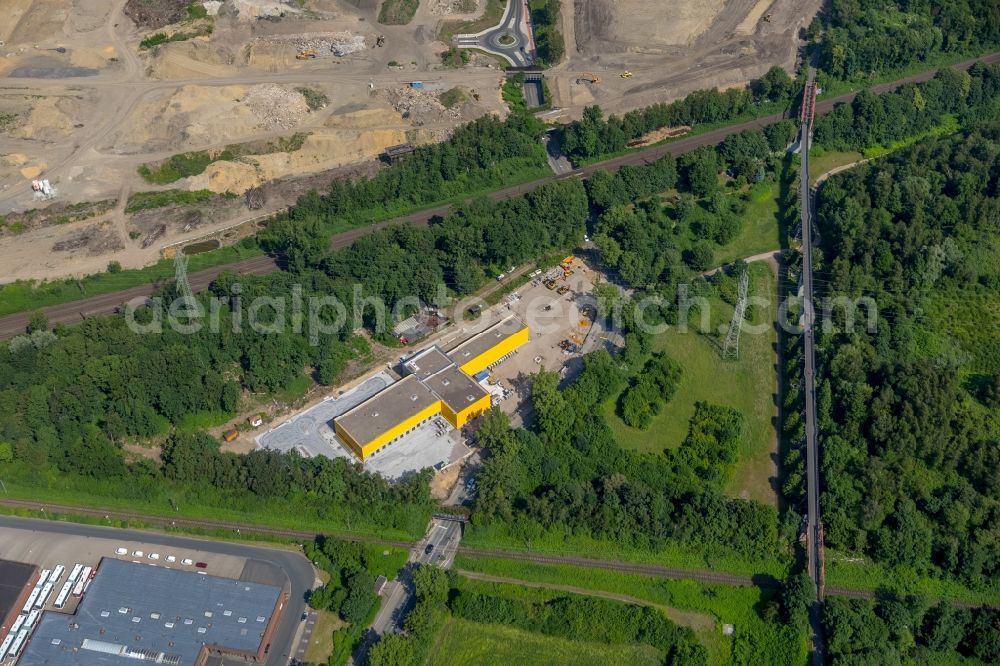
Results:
464 643
27 295
868 575
105 494
748 384
760 232
397 12
822 161
712 558
491 17
321 642
755 639
145 200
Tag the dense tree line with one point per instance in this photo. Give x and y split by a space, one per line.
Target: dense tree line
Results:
432 589
483 154
868 37
474 239
649 391
71 399
906 631
549 43
915 108
593 135
910 454
655 246
350 592
569 475
576 618
711 447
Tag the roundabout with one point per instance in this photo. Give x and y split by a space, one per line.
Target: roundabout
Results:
511 39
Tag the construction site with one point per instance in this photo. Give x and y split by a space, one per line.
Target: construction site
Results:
283 96
421 412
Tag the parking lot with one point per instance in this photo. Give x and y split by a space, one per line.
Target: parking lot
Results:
310 432
48 551
431 444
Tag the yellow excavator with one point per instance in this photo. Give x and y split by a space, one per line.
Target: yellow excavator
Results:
626 74
307 54
589 78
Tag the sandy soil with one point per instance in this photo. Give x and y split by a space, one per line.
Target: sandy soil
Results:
647 25
732 47
89 134
749 24
443 482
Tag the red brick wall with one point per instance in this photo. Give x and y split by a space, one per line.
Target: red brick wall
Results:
265 641
18 605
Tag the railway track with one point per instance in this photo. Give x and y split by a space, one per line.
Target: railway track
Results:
53 511
76 311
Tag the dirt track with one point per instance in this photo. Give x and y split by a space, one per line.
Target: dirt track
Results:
74 312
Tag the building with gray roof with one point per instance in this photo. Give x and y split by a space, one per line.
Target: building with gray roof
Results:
136 612
428 362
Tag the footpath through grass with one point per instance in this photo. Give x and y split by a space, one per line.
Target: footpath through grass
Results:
760 231
755 638
464 643
748 384
823 161
321 641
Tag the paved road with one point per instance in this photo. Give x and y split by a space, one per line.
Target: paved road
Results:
297 569
437 548
511 39
442 538
700 575
74 312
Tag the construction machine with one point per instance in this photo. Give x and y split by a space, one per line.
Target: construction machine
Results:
589 78
307 54
626 74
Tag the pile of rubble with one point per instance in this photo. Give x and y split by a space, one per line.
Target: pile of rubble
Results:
276 107
263 9
449 7
339 44
420 105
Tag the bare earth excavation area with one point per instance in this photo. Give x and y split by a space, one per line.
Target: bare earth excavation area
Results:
257 92
645 25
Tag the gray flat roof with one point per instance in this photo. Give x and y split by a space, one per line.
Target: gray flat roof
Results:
133 610
486 340
386 409
457 389
425 363
14 577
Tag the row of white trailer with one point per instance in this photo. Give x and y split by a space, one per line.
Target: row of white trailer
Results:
77 583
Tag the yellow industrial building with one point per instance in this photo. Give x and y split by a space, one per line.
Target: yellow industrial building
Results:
438 382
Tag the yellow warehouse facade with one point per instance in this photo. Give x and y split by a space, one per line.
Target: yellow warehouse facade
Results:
438 383
481 351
